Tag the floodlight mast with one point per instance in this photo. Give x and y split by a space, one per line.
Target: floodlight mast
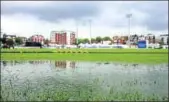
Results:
129 16
77 33
90 31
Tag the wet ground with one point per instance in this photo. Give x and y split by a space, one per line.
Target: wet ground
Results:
149 80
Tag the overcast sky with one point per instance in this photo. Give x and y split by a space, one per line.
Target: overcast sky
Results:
25 18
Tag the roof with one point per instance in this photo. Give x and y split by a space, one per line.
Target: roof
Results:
11 35
164 35
61 31
37 35
23 37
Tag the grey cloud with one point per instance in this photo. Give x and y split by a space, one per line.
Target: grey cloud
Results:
157 12
55 12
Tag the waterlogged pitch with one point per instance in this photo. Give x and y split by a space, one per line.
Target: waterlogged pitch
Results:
87 81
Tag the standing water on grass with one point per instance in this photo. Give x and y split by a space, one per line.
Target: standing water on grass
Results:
77 81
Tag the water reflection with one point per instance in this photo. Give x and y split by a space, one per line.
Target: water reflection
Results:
12 63
57 64
4 63
65 64
39 62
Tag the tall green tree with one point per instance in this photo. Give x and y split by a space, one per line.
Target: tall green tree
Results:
4 39
46 42
154 39
98 39
10 42
0 39
161 42
80 41
86 40
93 40
18 41
106 38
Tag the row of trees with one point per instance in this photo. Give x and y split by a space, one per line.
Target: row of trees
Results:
9 42
94 40
18 41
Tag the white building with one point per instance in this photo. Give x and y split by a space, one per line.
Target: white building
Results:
53 36
106 42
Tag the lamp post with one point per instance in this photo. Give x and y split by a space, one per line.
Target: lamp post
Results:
76 32
129 16
90 31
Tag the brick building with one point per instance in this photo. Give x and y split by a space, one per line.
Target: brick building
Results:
37 38
120 39
150 37
63 37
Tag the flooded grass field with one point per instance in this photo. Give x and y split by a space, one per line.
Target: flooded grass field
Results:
82 81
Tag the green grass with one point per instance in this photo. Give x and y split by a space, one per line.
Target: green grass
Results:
83 50
133 58
135 55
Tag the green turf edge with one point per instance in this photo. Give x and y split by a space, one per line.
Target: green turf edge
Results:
130 58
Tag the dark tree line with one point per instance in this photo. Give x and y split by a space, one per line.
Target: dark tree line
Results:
18 41
94 40
7 43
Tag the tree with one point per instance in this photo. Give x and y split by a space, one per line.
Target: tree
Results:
3 40
86 40
80 41
18 41
93 40
98 39
4 35
161 42
167 41
106 38
10 42
137 38
154 39
46 42
0 40
149 38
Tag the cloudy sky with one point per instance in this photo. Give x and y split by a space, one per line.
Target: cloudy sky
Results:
25 18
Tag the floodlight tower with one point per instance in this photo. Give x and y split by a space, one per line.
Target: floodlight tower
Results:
90 31
129 16
77 32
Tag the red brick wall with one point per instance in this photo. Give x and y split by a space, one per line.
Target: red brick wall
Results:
38 38
64 39
56 38
61 38
72 38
